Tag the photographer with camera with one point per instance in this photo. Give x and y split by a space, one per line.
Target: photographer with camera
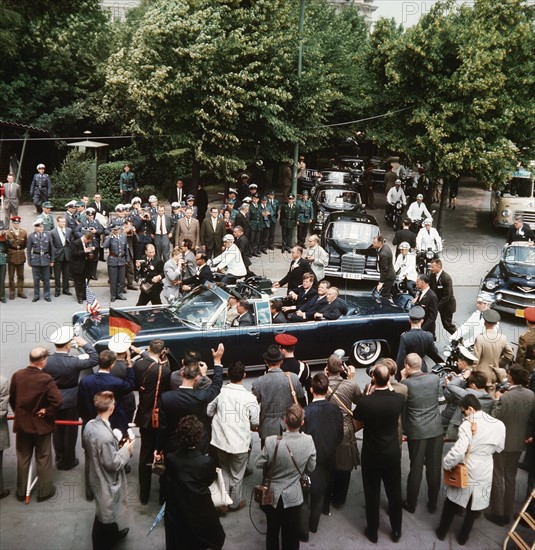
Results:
151 277
83 253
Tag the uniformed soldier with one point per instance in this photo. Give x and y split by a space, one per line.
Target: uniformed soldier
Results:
90 225
40 258
305 217
119 216
267 219
127 183
117 257
46 216
65 369
40 188
16 239
129 232
70 216
80 211
525 355
288 221
255 220
274 205
3 263
143 225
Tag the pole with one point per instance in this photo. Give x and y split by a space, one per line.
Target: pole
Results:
299 70
17 177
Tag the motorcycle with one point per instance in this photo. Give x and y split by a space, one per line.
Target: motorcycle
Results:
395 215
416 225
424 259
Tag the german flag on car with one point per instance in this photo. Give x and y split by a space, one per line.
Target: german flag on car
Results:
123 322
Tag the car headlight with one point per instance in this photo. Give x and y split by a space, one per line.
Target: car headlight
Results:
321 217
447 352
506 213
490 284
429 254
498 296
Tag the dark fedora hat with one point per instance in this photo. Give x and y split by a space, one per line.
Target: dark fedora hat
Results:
273 354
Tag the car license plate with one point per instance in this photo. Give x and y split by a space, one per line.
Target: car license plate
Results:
357 276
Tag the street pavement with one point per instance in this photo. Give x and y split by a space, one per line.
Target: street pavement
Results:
472 248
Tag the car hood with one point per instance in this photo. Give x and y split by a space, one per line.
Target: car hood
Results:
152 320
347 246
518 271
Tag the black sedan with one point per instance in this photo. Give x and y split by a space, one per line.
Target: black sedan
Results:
511 282
333 197
369 329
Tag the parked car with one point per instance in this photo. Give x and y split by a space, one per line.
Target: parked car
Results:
517 197
347 237
370 328
333 197
511 282
308 180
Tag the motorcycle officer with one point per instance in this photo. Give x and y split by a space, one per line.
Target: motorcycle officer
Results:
428 238
418 210
405 267
474 325
396 194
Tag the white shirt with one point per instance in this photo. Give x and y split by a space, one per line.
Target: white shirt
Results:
429 239
234 411
405 266
418 210
395 195
231 258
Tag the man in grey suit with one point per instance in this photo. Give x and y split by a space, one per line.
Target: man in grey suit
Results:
61 241
11 198
274 393
516 409
423 427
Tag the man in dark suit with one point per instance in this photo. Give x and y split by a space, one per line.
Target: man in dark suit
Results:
519 231
245 317
240 240
99 205
379 413
385 264
426 298
298 267
305 293
212 233
306 312
404 235
333 308
417 341
150 271
277 316
162 231
185 400
242 219
35 400
442 285
61 241
325 423
422 424
81 251
178 193
202 275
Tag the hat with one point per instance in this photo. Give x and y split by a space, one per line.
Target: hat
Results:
253 186
491 316
127 206
47 204
286 339
529 314
467 354
228 238
246 200
419 196
79 203
153 198
304 192
417 313
291 196
16 219
116 226
175 205
428 221
404 245
136 199
255 196
232 190
236 294
231 201
119 208
92 211
264 198
145 206
273 354
190 198
244 176
271 192
38 221
61 336
119 342
40 166
397 182
70 204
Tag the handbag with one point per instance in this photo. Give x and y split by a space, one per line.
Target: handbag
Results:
263 494
458 476
146 287
218 491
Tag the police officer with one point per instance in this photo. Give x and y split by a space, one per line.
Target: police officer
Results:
255 220
3 263
41 258
127 183
65 370
305 216
79 215
288 221
143 225
118 254
90 225
16 240
70 215
273 203
40 188
525 354
46 216
267 222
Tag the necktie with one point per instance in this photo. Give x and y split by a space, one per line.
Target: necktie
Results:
62 236
187 222
161 225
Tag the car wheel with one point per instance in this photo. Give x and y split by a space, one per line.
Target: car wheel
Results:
366 352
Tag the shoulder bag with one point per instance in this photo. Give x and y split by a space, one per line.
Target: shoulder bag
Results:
289 377
458 476
342 404
263 494
155 415
304 479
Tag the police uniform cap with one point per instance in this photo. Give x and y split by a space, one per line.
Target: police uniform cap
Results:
417 313
40 166
136 199
264 198
47 204
38 221
146 206
286 340
467 354
243 176
235 294
491 316
246 200
231 201
119 342
190 198
428 221
419 196
232 190
271 192
90 211
291 196
175 205
153 198
253 186
304 192
404 245
127 206
116 226
119 208
61 336
70 204
529 314
80 203
15 218
255 196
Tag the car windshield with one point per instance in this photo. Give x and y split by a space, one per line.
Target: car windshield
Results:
519 187
520 255
338 197
354 234
336 177
199 307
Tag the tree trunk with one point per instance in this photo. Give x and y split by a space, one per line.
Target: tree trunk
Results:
443 200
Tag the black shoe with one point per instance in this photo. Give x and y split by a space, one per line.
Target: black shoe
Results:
20 499
494 518
131 287
48 299
67 468
67 293
113 299
272 248
122 534
47 497
248 472
304 538
120 297
5 494
57 294
461 540
431 508
370 536
93 278
3 300
265 252
395 536
440 535
22 295
35 300
80 301
408 507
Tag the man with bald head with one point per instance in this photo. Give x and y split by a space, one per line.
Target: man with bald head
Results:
35 400
378 413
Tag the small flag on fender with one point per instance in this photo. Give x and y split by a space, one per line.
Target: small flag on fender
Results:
121 321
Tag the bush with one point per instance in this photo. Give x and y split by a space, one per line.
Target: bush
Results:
69 181
108 181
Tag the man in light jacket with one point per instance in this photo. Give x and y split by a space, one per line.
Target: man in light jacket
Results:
231 259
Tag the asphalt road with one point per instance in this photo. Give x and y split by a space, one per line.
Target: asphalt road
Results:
472 248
